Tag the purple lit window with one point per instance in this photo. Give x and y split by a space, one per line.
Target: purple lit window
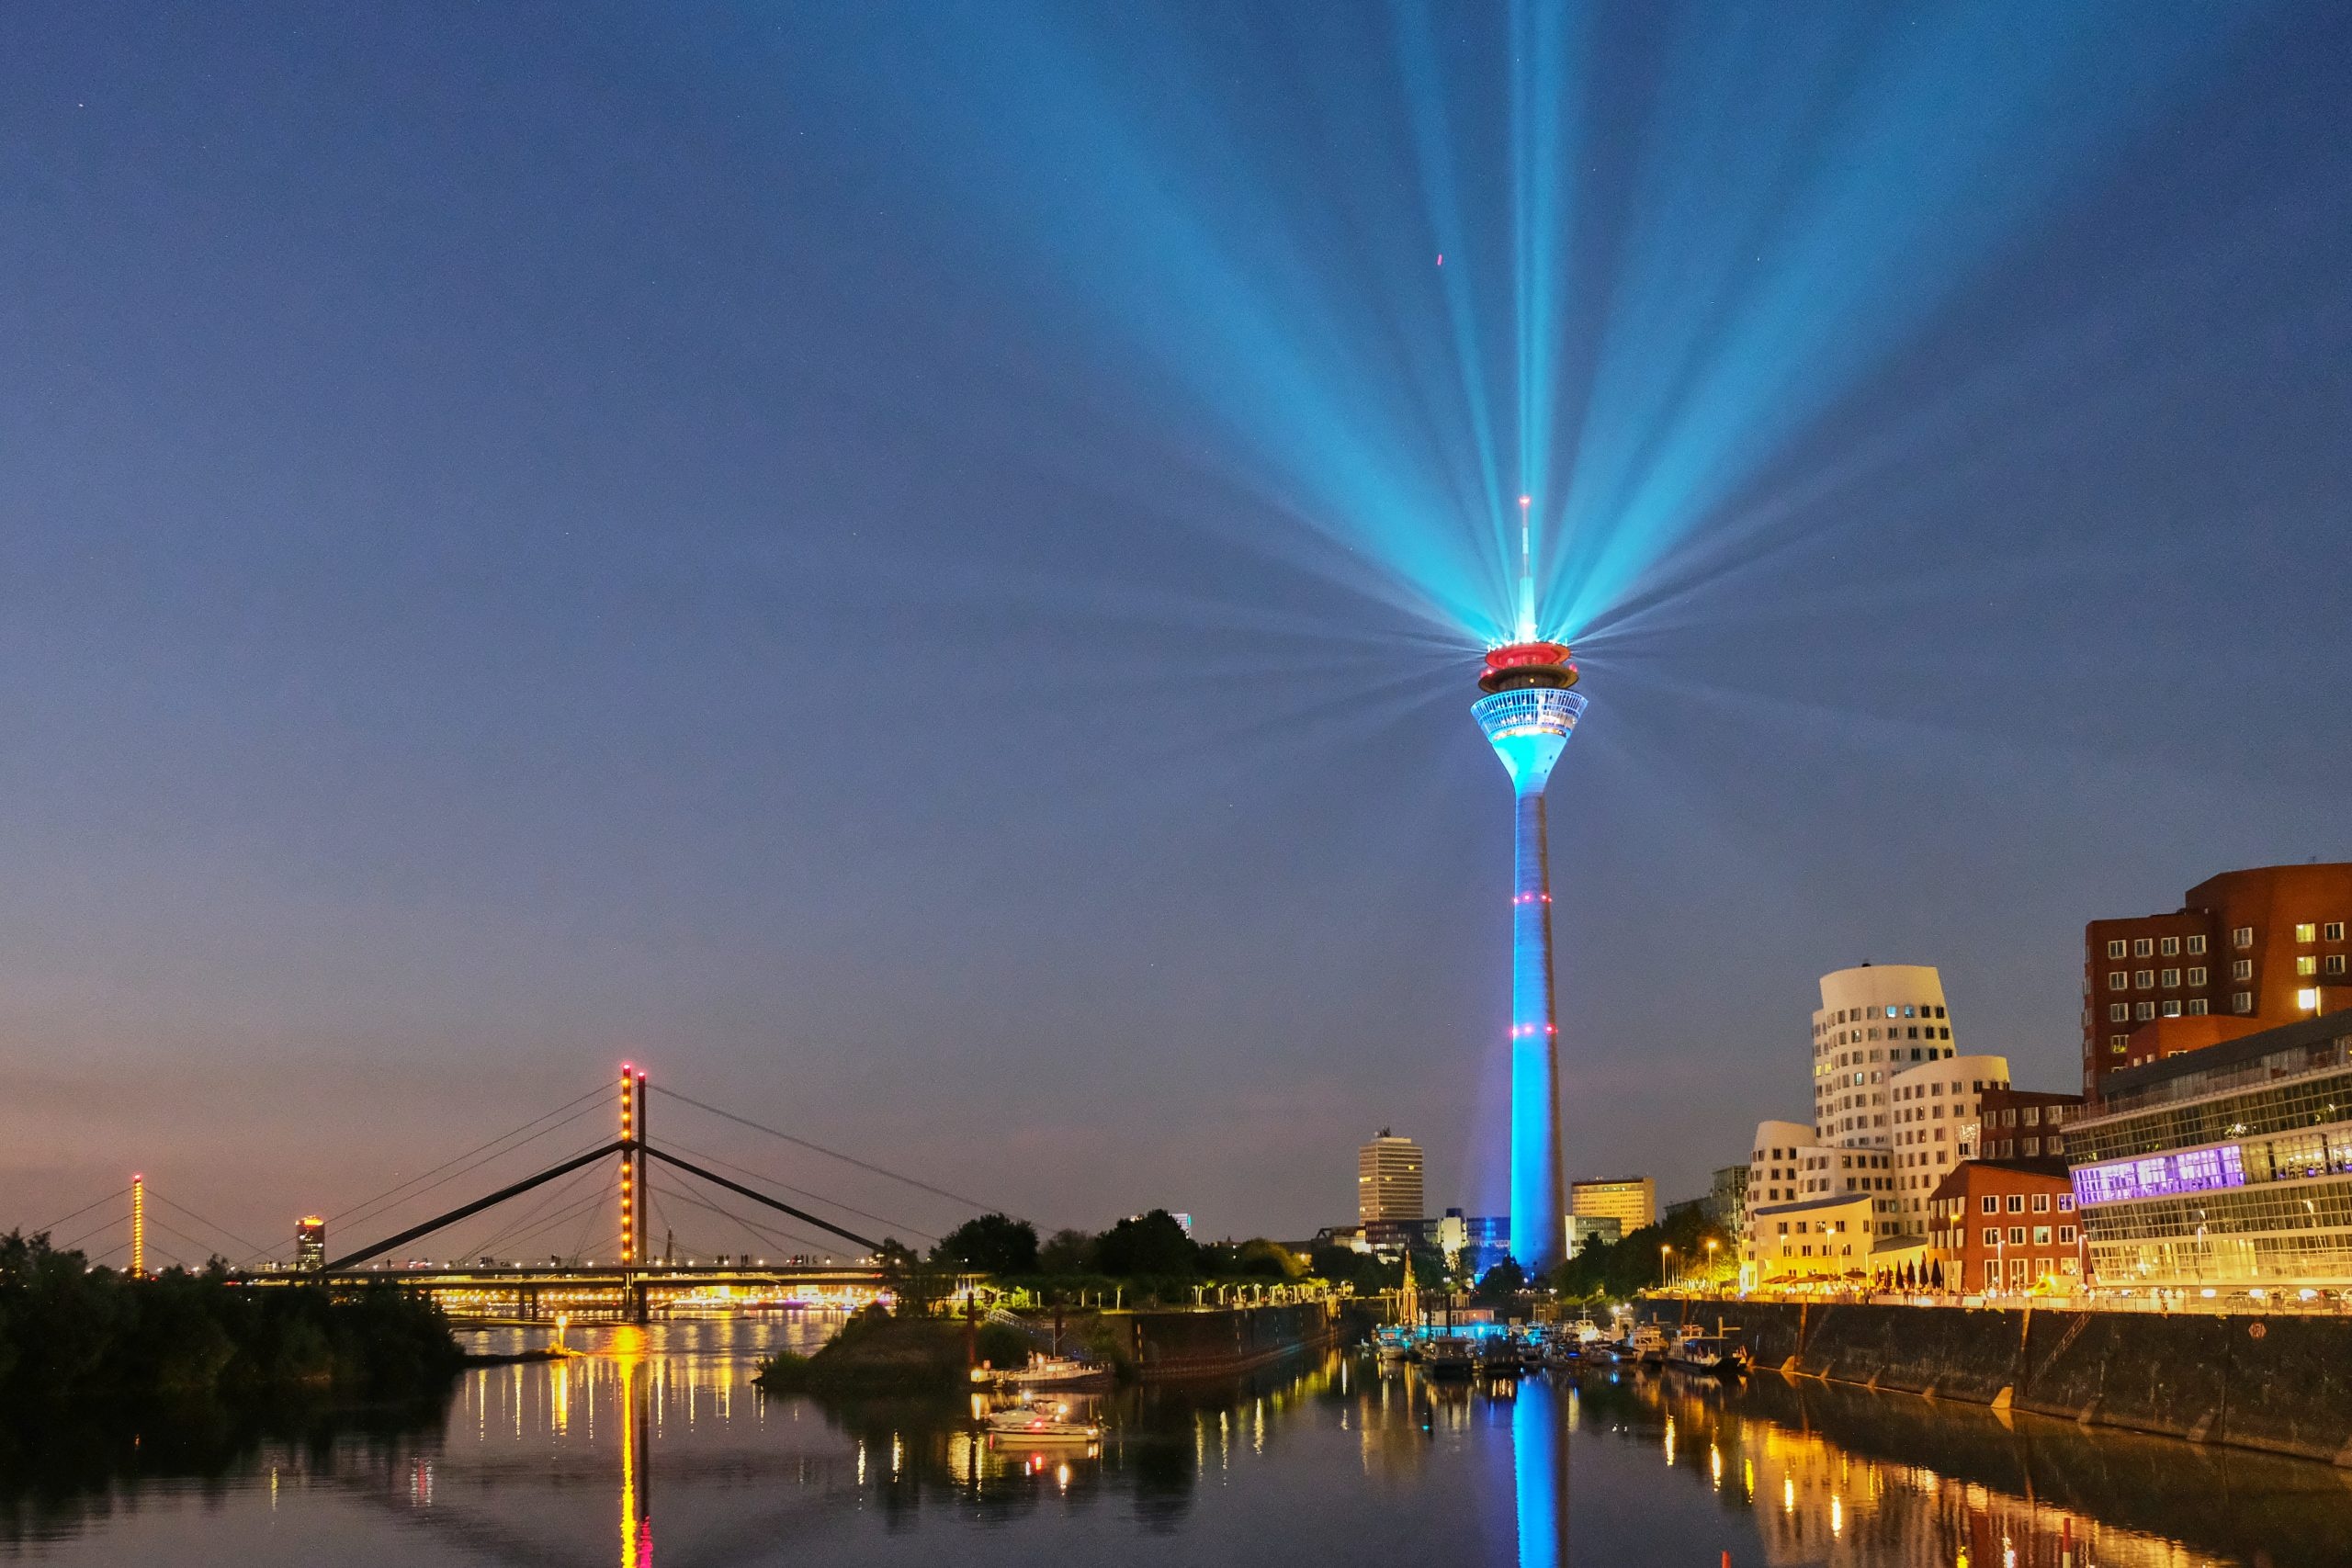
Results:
2160 1176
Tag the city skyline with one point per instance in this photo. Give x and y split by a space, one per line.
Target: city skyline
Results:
482 499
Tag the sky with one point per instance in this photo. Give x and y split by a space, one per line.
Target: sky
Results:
918 571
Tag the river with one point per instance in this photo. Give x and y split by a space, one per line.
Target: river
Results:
657 1450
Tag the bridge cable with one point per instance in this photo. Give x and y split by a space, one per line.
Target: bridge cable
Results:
383 1198
756 1196
801 1192
467 1210
251 1251
790 1239
156 1221
831 1154
43 1230
530 1221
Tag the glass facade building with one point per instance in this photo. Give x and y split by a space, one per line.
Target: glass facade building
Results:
2227 1169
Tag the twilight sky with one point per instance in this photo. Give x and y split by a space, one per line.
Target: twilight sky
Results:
919 568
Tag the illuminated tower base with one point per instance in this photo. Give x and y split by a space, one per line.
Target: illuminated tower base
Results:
1528 714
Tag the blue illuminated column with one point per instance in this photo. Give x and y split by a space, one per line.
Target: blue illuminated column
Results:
1528 715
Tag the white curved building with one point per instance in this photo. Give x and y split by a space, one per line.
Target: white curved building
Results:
1929 1108
1873 1021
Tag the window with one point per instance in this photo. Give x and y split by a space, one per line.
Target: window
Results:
2041 1236
2196 945
2307 932
2335 963
2199 975
1992 1205
2066 1202
2335 931
2242 969
2169 947
2041 1203
2307 964
2197 1006
2171 979
2118 1044
2143 1011
2017 1236
2144 979
2032 1115
2115 950
2057 1145
2142 948
2016 1202
2171 1009
2240 1001
1992 1239
2243 937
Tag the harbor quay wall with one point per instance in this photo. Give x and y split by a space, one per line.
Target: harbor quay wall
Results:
2282 1384
1223 1341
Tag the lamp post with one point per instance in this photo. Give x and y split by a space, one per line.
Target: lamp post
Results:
1712 1244
1663 1254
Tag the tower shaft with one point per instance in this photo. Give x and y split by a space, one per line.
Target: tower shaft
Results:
1538 1228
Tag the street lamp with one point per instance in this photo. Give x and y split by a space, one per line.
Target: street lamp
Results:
1712 1244
1663 1253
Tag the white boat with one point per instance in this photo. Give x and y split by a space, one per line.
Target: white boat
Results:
1695 1349
1584 1332
1055 1372
1040 1421
1646 1344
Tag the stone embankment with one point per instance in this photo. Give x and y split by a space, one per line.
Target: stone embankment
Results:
1167 1344
2281 1384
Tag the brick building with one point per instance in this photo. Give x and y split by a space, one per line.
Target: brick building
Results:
2007 1227
2260 947
2020 1123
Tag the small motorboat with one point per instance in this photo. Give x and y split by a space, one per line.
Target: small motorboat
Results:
1497 1357
1040 1421
1056 1372
1696 1350
1647 1345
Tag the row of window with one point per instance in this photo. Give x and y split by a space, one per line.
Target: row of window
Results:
2040 1236
2149 947
2194 1006
1856 1015
2145 979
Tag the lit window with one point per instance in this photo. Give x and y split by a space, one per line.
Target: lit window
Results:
2308 997
2041 1236
2066 1202
2307 964
2307 932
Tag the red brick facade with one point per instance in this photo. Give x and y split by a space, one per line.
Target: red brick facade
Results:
2007 1227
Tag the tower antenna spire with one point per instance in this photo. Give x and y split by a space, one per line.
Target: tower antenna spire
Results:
1526 632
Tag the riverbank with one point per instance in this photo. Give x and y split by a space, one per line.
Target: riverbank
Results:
2273 1384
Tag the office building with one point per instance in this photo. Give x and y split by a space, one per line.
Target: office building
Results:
1873 1021
1932 1106
2006 1227
1388 1178
1587 1229
1631 1201
1728 1198
310 1242
2020 1123
2260 948
1816 1240
2225 1169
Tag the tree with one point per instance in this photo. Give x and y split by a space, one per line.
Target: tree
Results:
1503 1282
912 1283
1067 1252
1147 1244
993 1244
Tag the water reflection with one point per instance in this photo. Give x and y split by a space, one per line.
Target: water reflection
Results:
575 1461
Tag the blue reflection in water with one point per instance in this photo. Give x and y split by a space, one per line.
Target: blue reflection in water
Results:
1540 1473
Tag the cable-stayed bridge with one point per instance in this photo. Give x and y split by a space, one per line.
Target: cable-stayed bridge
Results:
600 1203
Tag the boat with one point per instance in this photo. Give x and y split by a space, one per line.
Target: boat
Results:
1446 1356
1497 1357
1647 1345
1696 1350
1393 1343
1584 1332
1056 1372
1040 1421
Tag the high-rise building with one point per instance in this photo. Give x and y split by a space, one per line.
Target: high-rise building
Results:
1935 1108
1389 1179
310 1242
1873 1021
2249 949
1527 715
1631 1201
1728 1198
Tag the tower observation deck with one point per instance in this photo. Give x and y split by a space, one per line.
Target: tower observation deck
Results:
1528 714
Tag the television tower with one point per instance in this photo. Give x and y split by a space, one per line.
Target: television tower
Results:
1528 714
